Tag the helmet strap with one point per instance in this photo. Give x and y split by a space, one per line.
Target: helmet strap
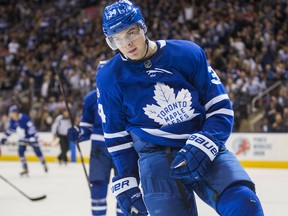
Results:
147 48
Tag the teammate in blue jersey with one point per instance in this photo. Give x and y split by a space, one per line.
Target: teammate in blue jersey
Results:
22 123
101 164
163 106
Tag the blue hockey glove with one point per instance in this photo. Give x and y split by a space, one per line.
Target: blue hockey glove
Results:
78 133
3 141
128 196
74 133
195 158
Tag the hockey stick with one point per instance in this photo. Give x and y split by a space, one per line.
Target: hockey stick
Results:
134 211
178 182
70 115
28 197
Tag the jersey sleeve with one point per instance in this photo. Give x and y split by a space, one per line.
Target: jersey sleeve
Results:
29 127
87 118
11 129
219 118
118 140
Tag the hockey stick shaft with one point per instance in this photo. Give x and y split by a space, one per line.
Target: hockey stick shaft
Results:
71 119
178 182
28 197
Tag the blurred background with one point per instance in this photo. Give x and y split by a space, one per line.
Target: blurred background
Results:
42 41
245 41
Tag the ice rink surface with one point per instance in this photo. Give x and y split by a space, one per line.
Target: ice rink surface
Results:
68 194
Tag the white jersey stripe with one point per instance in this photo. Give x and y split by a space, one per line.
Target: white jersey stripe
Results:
97 137
120 147
116 135
216 100
158 132
221 111
99 208
85 124
99 200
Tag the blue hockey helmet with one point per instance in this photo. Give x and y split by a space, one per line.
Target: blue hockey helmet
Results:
120 16
13 108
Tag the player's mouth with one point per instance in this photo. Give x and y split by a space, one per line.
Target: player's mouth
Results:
132 51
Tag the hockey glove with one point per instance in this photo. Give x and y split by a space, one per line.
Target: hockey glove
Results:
195 158
73 133
3 141
78 133
128 196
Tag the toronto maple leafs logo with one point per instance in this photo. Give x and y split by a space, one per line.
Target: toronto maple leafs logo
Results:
170 109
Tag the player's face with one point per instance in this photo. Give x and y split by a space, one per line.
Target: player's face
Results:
14 115
131 42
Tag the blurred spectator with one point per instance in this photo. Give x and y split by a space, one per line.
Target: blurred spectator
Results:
283 97
265 126
279 124
272 109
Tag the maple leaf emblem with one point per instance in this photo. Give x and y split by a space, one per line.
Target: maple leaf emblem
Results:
170 109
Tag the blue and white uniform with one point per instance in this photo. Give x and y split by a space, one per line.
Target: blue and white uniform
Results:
178 95
28 136
27 130
161 101
100 161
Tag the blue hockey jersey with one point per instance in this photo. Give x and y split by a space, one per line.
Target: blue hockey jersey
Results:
163 100
25 128
91 120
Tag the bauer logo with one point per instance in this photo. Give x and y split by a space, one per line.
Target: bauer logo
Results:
241 146
170 108
204 143
120 186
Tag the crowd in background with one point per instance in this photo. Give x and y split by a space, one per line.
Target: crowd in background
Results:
48 43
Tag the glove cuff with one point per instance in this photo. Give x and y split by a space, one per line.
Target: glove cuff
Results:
205 144
123 185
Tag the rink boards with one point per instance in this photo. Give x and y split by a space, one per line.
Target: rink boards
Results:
257 150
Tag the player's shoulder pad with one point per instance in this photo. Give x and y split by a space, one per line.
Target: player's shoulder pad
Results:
90 98
183 45
186 50
24 116
90 95
109 73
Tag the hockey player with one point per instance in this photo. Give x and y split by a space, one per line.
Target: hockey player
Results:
162 101
100 163
22 122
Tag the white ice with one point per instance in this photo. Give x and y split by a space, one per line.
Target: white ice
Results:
68 194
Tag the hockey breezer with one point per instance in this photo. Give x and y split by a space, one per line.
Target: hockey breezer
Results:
28 197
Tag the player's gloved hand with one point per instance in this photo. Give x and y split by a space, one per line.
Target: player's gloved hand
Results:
74 133
3 141
128 196
195 158
78 133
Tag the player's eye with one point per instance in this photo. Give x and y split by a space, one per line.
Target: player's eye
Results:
131 34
